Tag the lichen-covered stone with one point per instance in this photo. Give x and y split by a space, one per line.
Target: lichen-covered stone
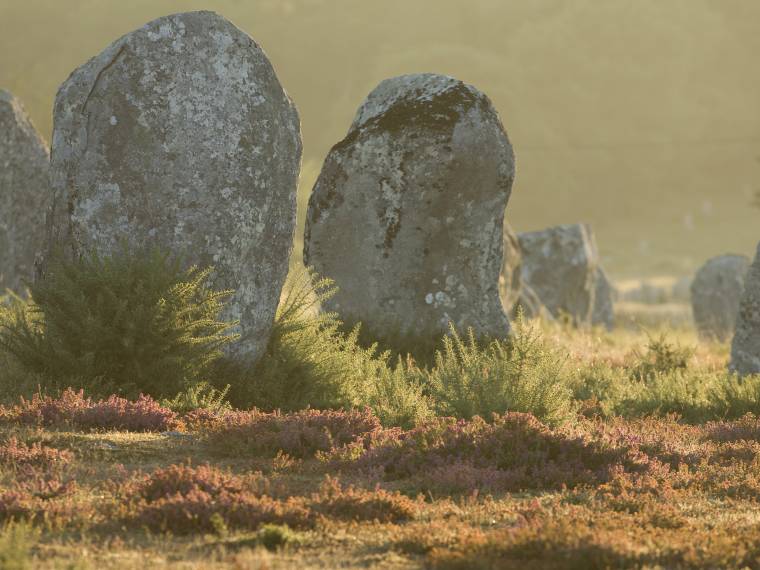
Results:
716 292
745 348
510 278
24 194
179 135
560 265
603 313
407 213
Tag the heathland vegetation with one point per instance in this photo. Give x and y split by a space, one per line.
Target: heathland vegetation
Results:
557 447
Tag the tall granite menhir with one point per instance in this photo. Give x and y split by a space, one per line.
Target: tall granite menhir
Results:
24 194
745 347
179 135
406 216
716 292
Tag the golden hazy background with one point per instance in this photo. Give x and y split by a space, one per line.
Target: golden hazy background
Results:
641 117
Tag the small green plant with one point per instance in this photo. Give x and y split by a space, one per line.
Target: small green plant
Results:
395 394
129 322
219 525
276 536
202 396
16 540
521 374
600 387
660 357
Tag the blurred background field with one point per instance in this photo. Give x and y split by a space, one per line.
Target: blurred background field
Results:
641 118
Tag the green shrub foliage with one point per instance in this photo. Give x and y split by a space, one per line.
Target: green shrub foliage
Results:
661 357
311 361
520 374
127 323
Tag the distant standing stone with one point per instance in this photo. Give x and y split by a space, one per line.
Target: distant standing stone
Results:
681 290
716 293
745 348
603 313
510 278
179 135
560 265
24 194
407 213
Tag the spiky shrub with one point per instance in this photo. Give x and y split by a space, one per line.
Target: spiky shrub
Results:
201 396
310 361
600 388
134 322
304 363
276 536
520 374
660 357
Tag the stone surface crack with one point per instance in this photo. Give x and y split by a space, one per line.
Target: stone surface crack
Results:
100 74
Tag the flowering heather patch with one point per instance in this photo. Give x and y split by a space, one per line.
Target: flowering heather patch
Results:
580 538
145 414
184 499
745 428
17 454
72 408
182 479
299 434
362 505
49 411
39 496
198 511
513 452
15 504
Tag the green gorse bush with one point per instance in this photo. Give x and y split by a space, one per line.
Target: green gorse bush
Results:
520 374
129 322
312 362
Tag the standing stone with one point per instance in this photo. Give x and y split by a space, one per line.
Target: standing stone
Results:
560 265
603 313
510 278
530 305
24 194
745 348
680 292
179 135
715 295
407 214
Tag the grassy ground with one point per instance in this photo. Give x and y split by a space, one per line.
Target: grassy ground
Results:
628 489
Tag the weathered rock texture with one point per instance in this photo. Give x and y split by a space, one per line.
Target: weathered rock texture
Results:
560 265
510 278
407 213
716 293
603 313
24 194
745 348
179 135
